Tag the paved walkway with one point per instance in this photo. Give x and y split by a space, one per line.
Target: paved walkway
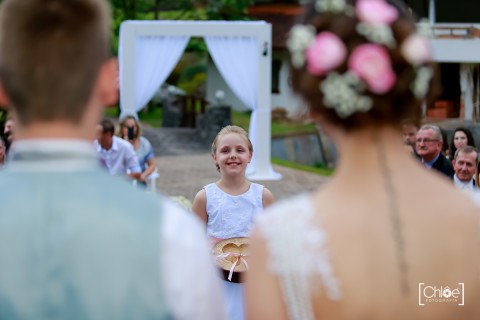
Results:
185 166
175 141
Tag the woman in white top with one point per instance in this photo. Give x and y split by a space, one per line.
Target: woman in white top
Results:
385 238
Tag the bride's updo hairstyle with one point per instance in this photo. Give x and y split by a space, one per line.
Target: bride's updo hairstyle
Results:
361 63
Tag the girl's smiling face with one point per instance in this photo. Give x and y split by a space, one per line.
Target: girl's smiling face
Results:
232 155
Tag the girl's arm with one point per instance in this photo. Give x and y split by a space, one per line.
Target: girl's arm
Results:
267 197
199 206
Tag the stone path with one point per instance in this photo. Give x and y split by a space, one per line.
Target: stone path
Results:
175 141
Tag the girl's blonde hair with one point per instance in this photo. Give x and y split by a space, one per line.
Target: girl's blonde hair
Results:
231 129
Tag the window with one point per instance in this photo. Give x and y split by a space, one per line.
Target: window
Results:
276 66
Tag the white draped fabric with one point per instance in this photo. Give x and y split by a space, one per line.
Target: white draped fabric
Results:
155 58
149 50
466 88
237 60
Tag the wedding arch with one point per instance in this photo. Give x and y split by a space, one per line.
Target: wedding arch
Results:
241 51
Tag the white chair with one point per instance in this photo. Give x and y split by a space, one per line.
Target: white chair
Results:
152 180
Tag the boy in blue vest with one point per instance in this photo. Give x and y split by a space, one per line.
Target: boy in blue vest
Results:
75 242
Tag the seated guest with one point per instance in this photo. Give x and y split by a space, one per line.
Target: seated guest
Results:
115 153
445 148
461 137
429 148
8 133
409 132
465 165
3 152
131 131
409 135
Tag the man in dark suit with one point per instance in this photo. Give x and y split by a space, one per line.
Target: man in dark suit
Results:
429 143
465 166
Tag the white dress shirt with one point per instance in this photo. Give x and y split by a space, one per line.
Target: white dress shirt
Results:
469 185
119 158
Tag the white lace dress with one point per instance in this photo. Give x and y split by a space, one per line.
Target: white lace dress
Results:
298 250
232 216
228 217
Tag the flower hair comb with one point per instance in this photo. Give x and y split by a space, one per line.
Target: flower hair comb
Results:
369 64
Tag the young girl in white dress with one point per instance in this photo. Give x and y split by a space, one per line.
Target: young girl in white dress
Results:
384 238
229 205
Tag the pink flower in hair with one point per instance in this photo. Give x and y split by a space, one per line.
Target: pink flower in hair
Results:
325 53
372 64
375 12
415 49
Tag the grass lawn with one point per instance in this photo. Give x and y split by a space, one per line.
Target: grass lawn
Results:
153 118
320 171
242 119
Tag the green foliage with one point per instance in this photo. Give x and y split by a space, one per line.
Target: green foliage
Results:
228 9
196 45
192 85
191 71
3 115
176 10
152 117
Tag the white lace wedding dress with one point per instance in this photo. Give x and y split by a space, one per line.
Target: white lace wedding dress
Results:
299 254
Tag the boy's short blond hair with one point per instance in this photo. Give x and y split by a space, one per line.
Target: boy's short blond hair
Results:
51 52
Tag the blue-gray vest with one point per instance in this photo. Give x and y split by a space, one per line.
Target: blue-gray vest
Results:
78 245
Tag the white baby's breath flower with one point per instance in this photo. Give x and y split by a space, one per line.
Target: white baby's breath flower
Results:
415 49
419 86
381 34
334 6
340 92
182 201
424 28
330 5
299 40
